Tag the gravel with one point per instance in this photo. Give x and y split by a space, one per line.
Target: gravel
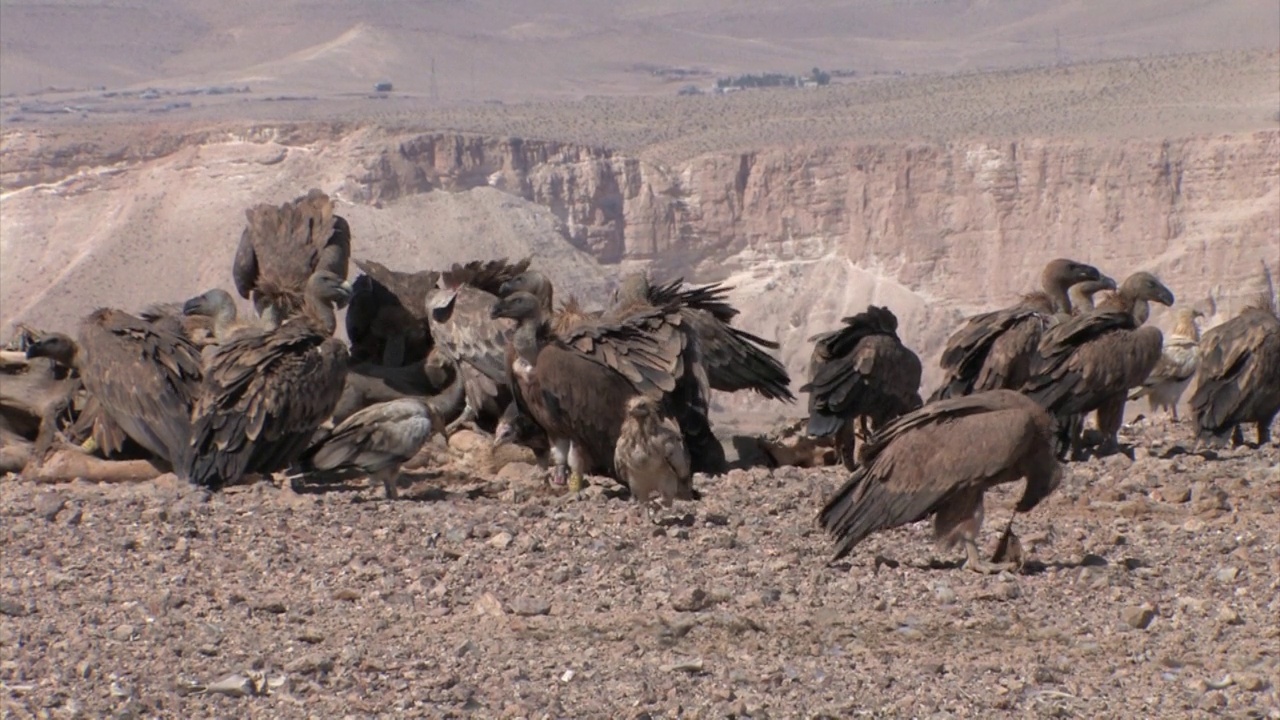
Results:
1152 590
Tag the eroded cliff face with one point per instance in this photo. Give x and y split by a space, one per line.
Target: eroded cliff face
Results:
807 234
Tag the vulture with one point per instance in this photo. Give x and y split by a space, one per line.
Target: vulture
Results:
993 350
1090 362
1239 376
264 394
170 317
281 247
472 338
650 456
387 319
734 359
143 379
563 320
1172 374
368 383
219 308
576 387
516 427
860 371
375 441
940 460
1082 295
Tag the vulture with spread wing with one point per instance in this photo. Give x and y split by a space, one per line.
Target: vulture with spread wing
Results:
280 249
1091 362
1163 388
576 387
387 320
861 371
1239 377
473 338
650 455
265 394
994 350
939 461
143 380
375 441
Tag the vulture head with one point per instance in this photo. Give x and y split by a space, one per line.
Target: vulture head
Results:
1145 286
1063 273
642 407
329 288
517 306
530 281
55 346
633 288
214 303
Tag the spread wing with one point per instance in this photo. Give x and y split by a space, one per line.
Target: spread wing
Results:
281 247
144 378
263 397
461 326
387 315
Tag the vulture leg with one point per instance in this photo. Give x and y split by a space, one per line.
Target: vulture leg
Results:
578 466
466 420
560 460
959 520
846 445
393 352
388 476
1110 417
1264 431
975 563
1237 436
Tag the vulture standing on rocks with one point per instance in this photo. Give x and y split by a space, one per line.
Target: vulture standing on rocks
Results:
576 387
387 319
282 247
144 379
1239 377
650 455
1178 360
375 441
474 339
1092 361
993 350
265 394
940 460
860 371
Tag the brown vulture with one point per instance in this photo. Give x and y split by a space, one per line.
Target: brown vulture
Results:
142 379
993 350
568 316
464 329
650 456
576 387
940 460
170 317
1090 362
1239 377
1179 357
1083 295
265 393
219 308
861 371
281 247
387 320
375 441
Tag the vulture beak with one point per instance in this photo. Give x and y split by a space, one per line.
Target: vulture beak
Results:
496 310
346 292
1165 296
1107 282
193 306
35 350
503 434
506 288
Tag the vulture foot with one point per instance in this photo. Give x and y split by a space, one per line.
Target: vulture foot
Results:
90 446
576 482
466 420
560 475
975 563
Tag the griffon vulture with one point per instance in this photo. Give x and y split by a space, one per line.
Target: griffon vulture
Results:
993 350
280 249
474 339
265 394
387 320
1092 361
375 441
861 371
650 456
577 387
940 460
1239 377
1178 359
563 320
1083 295
144 379
219 308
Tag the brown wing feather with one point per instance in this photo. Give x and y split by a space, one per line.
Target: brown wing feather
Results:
144 378
991 351
1239 376
1085 367
263 397
282 246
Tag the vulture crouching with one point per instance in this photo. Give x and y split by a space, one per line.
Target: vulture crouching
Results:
375 441
939 461
651 457
1239 377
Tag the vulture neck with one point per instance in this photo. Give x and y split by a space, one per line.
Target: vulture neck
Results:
224 322
320 315
1059 295
1137 308
1079 298
525 339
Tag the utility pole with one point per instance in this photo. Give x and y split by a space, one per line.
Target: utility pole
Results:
435 92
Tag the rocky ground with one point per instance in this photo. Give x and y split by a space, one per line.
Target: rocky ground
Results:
1152 591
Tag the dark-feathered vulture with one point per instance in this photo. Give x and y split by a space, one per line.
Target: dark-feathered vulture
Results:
169 317
1179 357
993 350
577 387
387 319
282 246
265 394
734 359
375 441
1239 377
475 340
144 379
650 455
568 316
219 309
940 460
1092 361
1083 295
860 371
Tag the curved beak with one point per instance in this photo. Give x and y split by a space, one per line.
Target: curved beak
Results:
507 288
497 310
345 292
1165 296
1108 283
193 306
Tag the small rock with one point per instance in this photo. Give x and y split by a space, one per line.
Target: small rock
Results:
689 600
1229 616
466 647
1225 681
567 676
123 633
1252 683
275 606
689 666
1228 574
1213 701
311 636
1138 616
530 607
309 663
236 686
345 594
489 605
12 608
47 505
501 541
944 594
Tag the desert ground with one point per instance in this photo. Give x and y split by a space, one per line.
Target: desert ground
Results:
1136 135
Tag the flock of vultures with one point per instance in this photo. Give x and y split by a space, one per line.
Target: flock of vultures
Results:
622 392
